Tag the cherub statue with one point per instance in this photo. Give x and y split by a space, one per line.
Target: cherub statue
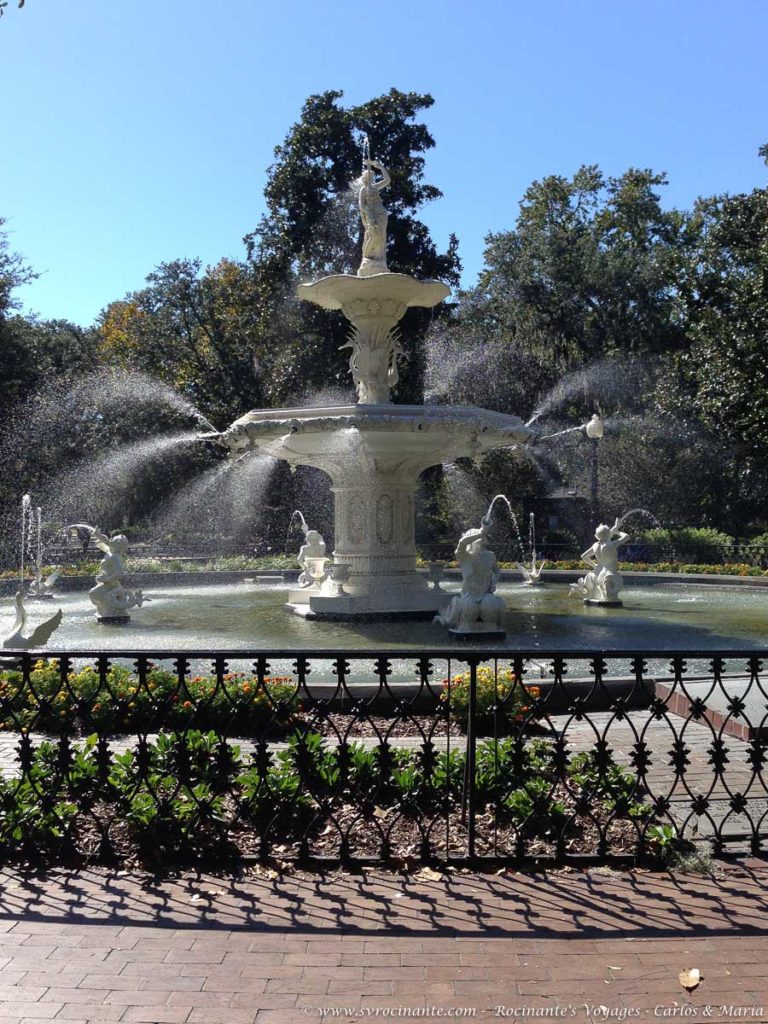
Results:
111 598
312 550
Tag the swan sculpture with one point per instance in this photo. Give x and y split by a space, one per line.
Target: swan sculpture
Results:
41 587
17 639
531 573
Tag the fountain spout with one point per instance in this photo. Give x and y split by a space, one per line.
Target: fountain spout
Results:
216 436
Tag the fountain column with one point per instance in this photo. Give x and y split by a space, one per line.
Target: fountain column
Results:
374 536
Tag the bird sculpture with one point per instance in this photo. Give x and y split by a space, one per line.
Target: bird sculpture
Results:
17 639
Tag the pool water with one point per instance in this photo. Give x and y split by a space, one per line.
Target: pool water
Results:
243 615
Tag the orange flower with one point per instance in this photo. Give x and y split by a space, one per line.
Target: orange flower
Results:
187 704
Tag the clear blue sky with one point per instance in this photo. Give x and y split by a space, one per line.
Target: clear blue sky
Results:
139 131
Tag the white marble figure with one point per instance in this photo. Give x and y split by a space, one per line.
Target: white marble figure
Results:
111 598
374 217
477 608
531 573
311 558
602 584
17 639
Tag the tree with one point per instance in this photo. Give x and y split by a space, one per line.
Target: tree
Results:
233 336
193 329
4 4
13 273
590 269
724 372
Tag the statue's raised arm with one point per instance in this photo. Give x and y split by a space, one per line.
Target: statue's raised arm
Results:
385 179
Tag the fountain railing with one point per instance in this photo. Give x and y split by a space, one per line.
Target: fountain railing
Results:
341 756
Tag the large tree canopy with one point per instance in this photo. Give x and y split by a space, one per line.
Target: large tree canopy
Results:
193 329
723 376
590 269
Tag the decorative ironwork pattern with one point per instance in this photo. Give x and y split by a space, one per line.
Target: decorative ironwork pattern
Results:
393 757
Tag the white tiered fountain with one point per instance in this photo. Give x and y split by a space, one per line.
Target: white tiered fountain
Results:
373 451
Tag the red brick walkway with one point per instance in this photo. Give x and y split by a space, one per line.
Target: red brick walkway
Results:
100 946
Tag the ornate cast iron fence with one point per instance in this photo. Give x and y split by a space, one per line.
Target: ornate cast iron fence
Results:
394 757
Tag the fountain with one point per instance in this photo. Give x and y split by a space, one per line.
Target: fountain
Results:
32 539
531 573
17 639
374 451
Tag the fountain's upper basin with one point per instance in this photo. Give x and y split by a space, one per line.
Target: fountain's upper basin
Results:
379 294
421 434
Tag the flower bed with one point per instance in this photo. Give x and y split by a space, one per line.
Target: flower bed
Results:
119 703
501 699
189 796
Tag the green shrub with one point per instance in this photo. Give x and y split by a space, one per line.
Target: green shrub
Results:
694 544
183 794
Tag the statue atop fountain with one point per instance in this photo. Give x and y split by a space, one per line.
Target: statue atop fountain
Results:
374 216
602 585
477 609
374 300
111 598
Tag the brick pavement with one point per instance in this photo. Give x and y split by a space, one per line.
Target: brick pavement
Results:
95 945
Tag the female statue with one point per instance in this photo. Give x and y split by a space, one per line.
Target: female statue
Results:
374 217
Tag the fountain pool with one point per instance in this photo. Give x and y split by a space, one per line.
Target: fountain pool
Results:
248 616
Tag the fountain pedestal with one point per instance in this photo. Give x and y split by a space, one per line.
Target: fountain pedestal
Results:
486 630
374 305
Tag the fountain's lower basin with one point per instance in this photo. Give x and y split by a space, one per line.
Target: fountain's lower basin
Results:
249 616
